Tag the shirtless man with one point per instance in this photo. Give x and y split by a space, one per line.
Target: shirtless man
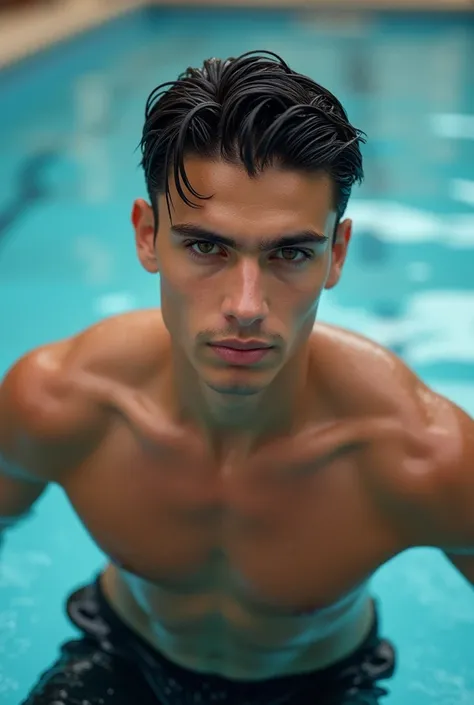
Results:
245 470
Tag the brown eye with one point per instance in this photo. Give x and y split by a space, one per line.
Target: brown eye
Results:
293 255
204 248
289 253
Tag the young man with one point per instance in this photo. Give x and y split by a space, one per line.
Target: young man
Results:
245 470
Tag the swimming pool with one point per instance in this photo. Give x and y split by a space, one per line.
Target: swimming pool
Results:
69 124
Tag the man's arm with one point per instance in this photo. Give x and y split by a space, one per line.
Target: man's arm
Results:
425 479
19 487
47 424
460 495
426 476
445 509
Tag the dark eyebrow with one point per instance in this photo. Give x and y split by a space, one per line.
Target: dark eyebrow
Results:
291 240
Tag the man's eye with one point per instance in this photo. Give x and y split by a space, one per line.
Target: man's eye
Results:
205 248
202 248
294 255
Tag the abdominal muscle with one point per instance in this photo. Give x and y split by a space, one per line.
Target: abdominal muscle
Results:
224 635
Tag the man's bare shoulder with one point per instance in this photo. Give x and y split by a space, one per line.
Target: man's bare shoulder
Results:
362 378
128 348
428 466
65 383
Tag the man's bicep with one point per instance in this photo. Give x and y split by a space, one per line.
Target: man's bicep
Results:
460 495
49 420
19 486
455 483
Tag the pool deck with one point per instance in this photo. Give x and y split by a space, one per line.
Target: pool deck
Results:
354 5
25 31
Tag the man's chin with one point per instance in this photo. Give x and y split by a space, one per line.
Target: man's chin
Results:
233 390
237 383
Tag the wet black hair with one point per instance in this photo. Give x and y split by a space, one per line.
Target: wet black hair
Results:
252 110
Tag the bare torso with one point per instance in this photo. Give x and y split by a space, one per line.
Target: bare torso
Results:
245 571
245 566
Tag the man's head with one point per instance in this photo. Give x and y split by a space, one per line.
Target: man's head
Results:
249 168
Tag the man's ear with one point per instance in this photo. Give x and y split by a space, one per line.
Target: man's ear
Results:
339 252
143 221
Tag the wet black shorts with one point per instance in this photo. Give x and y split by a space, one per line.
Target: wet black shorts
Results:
111 665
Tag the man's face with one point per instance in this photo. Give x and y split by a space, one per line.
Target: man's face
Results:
241 276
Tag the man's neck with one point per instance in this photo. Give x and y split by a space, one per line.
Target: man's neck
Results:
231 420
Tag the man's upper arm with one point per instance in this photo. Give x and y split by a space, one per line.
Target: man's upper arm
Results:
446 502
457 485
19 487
456 474
45 426
427 480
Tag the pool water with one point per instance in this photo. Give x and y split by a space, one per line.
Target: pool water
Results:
70 121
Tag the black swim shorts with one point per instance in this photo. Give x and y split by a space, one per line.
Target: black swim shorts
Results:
111 665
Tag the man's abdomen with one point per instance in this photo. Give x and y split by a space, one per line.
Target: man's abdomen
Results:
235 638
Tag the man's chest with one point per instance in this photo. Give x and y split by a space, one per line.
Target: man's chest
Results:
285 534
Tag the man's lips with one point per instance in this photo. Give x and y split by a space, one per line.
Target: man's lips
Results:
239 352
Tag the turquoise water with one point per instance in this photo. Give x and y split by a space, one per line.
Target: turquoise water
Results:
69 124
